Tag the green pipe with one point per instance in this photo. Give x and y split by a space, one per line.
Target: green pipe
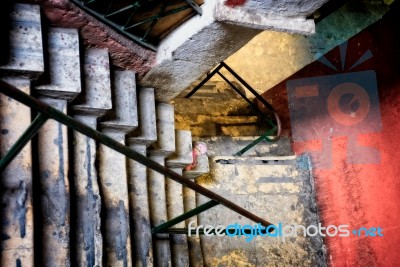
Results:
184 216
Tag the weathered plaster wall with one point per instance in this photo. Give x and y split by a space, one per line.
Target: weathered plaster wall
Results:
271 57
357 179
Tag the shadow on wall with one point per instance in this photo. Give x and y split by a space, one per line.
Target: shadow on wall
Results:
343 109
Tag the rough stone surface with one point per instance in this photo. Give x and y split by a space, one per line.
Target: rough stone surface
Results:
25 47
178 243
225 145
177 68
165 144
142 249
89 240
194 244
202 167
146 133
277 189
96 96
114 189
63 79
183 155
124 117
289 8
16 210
124 53
158 213
53 170
256 17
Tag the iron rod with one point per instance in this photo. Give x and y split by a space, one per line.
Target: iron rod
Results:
245 98
204 81
59 116
193 5
29 133
254 92
184 216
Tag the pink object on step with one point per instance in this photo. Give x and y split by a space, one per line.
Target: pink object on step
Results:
199 148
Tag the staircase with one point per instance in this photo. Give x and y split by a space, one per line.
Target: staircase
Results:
67 200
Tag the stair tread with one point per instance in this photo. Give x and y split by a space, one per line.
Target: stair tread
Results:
96 98
64 76
26 44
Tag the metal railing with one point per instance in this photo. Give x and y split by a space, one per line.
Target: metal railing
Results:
275 131
129 17
47 112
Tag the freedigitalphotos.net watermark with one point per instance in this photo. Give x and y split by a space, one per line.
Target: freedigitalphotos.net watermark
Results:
282 231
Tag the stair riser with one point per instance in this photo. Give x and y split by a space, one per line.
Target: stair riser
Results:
139 211
55 199
114 190
16 212
158 213
89 240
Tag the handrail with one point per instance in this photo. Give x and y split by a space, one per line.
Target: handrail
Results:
276 127
53 113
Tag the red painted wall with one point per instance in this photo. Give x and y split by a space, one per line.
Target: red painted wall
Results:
358 194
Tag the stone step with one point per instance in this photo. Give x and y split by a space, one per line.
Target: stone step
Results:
158 213
183 154
96 97
113 171
61 85
146 133
88 236
165 144
202 167
142 247
178 243
63 79
226 145
194 242
25 42
16 202
124 116
278 189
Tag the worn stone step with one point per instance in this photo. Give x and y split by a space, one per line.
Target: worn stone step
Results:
115 217
63 78
16 209
53 168
158 213
139 211
183 154
194 242
63 84
178 243
96 97
278 189
225 146
165 144
146 133
113 171
88 236
25 43
202 167
124 116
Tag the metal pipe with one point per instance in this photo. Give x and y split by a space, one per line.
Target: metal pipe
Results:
57 115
